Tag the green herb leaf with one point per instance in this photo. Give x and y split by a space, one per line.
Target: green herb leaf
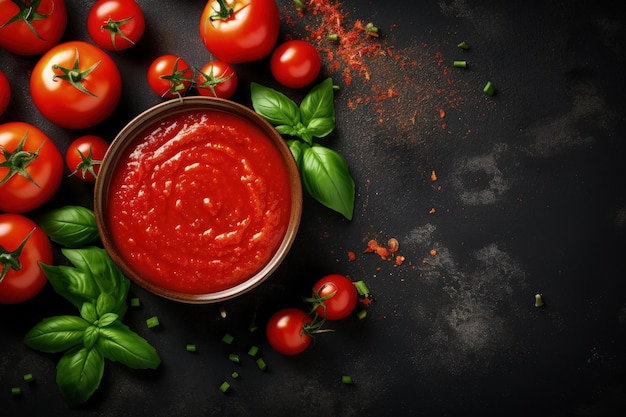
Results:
56 334
70 226
326 178
297 148
274 106
104 304
119 343
79 373
107 319
91 336
88 312
317 109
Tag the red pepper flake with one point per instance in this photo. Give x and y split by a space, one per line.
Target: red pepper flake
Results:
371 246
399 260
442 113
431 211
433 252
433 176
351 256
382 252
393 245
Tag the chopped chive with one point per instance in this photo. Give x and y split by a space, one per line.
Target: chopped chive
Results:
253 350
463 45
261 364
371 29
346 379
333 37
235 374
460 64
489 88
152 322
29 377
16 391
228 339
361 314
233 357
135 302
191 347
362 289
225 386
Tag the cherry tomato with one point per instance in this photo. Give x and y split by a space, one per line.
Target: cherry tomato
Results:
115 25
31 167
76 85
31 27
23 245
5 93
84 156
217 79
170 76
238 31
336 295
295 63
286 331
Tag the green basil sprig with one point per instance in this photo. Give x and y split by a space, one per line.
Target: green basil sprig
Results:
99 290
325 174
70 226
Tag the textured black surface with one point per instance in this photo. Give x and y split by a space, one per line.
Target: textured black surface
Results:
530 198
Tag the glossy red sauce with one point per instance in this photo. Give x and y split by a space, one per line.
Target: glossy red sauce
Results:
200 202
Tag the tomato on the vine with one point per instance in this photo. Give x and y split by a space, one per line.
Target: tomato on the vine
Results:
217 79
295 63
76 85
335 297
170 76
5 92
238 31
287 331
31 167
31 27
84 156
23 244
115 25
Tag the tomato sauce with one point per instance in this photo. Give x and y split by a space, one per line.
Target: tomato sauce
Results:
199 202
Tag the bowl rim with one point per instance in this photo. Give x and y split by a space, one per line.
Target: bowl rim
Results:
126 137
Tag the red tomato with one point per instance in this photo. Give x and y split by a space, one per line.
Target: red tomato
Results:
286 331
295 64
31 167
23 245
31 27
336 295
115 24
84 156
170 76
217 79
76 85
5 93
238 31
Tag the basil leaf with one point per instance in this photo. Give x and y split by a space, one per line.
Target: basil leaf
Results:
88 312
326 178
98 267
107 319
104 304
72 284
320 127
70 226
79 373
56 334
118 343
274 106
297 150
90 336
319 104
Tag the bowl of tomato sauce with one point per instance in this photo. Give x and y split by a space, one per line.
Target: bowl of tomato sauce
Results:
198 200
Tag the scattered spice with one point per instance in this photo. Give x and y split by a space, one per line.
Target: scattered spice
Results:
433 176
223 312
351 256
399 260
431 211
539 300
393 245
433 252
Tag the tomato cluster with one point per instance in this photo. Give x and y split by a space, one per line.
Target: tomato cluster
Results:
289 330
77 85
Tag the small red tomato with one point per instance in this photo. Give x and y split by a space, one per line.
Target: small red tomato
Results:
115 25
84 156
31 27
217 79
5 93
31 167
336 297
287 331
23 244
170 76
295 63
